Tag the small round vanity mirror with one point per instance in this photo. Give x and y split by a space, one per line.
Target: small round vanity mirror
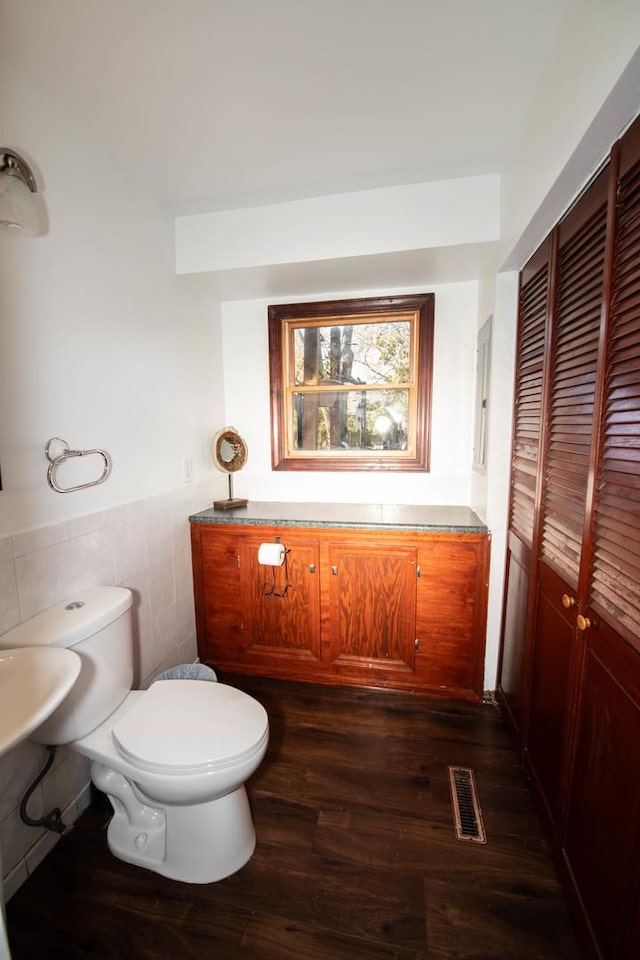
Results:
229 450
229 454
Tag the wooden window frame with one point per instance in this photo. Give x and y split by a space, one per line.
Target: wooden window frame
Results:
417 458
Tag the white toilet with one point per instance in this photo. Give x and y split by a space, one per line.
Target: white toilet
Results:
172 759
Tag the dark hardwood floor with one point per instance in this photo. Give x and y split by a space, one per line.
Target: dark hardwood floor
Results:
356 854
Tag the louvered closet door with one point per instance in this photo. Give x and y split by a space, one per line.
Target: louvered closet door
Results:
615 586
532 321
576 330
575 324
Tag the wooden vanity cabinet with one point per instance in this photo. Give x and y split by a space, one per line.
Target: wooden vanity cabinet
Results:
384 608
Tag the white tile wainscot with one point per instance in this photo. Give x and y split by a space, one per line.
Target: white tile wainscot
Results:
143 545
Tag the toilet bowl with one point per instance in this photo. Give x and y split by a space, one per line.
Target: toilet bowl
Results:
172 759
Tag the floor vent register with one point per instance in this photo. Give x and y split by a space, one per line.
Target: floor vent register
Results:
467 814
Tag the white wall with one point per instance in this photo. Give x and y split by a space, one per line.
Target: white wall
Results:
413 217
498 473
246 365
587 93
102 344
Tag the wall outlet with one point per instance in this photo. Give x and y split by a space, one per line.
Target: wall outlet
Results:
187 470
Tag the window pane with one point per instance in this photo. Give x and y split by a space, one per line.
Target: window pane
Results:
352 353
374 420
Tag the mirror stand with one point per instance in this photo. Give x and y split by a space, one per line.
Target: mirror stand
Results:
231 501
229 453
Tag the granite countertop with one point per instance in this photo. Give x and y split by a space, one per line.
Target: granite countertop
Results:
366 516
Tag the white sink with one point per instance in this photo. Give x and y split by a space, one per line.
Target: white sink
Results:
33 681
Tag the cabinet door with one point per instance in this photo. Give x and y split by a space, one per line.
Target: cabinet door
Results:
372 609
451 614
281 604
216 574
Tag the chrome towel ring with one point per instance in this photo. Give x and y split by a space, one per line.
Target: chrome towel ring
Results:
66 454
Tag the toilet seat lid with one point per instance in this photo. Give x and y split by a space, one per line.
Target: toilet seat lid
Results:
185 726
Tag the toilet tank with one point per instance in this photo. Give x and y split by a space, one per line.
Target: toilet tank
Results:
96 624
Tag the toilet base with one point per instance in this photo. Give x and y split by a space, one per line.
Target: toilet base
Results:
194 843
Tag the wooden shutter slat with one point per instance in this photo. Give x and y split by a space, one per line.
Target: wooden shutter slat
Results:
627 301
626 413
568 473
618 524
584 384
576 346
622 498
619 548
623 382
624 457
625 342
616 606
579 390
628 481
569 408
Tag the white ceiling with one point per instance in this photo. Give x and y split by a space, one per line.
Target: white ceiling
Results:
224 103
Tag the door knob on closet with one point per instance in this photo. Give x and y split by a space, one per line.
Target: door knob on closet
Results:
582 623
568 601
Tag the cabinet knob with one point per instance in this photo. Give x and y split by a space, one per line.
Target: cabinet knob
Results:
568 601
334 571
582 623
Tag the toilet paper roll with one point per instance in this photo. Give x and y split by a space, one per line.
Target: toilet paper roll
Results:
271 554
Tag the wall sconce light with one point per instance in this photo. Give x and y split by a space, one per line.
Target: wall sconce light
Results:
19 212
